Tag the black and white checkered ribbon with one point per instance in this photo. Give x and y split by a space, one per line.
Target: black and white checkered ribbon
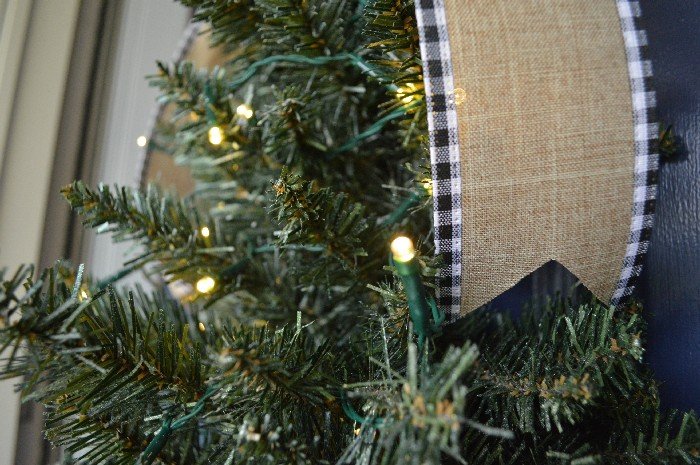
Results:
444 148
646 141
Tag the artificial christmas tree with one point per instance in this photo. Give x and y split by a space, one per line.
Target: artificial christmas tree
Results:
300 340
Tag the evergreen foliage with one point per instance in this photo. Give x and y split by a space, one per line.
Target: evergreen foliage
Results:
302 352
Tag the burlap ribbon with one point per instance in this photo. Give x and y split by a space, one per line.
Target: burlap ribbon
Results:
541 142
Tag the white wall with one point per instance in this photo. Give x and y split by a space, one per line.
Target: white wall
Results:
42 51
151 30
38 35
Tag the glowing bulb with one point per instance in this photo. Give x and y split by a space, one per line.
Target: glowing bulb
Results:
244 111
458 96
216 135
428 185
201 327
83 295
205 285
204 231
405 93
402 249
141 141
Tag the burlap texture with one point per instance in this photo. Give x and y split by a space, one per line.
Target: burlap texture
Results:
546 141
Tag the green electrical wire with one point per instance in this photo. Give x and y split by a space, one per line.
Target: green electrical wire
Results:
373 129
351 58
394 217
426 318
150 453
157 443
424 313
402 210
350 411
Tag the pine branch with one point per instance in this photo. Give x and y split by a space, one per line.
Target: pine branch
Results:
391 25
584 353
419 416
312 27
319 219
568 381
100 364
234 25
669 142
166 228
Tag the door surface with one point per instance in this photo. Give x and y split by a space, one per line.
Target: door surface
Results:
671 279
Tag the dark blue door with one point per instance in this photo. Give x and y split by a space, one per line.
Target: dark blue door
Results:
671 278
670 285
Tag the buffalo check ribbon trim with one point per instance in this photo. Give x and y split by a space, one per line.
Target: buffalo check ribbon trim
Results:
444 150
646 142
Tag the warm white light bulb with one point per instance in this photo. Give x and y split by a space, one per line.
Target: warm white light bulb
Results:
141 141
216 135
204 231
244 111
201 327
428 185
405 94
205 285
402 249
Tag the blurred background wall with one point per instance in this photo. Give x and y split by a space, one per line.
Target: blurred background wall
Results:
73 100
36 42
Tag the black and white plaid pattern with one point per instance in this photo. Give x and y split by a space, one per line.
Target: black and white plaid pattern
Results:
646 139
444 150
